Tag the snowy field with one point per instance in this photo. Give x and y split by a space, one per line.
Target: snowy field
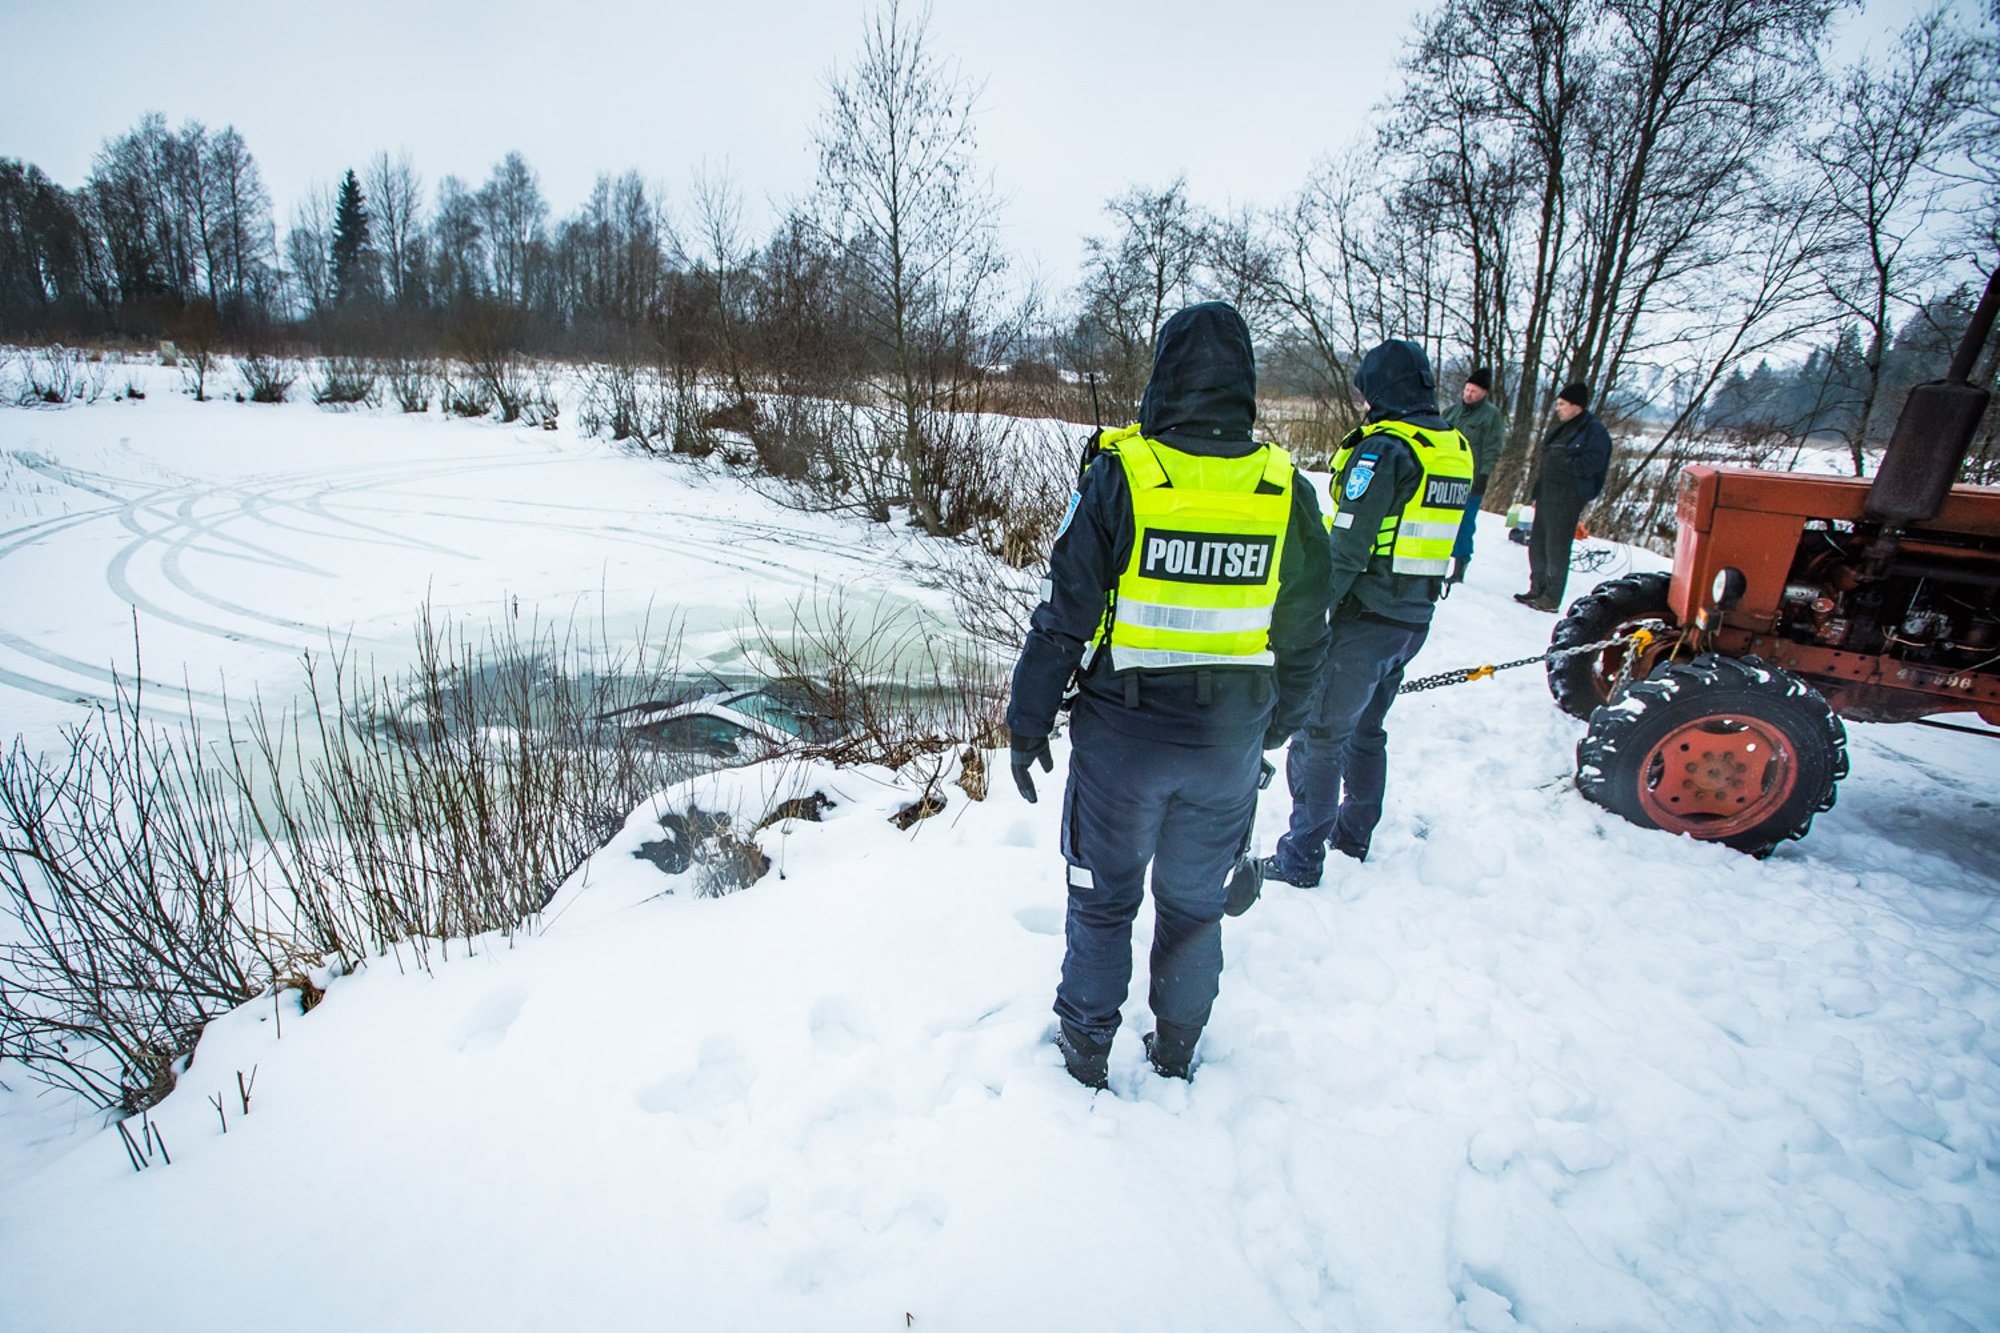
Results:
1527 1067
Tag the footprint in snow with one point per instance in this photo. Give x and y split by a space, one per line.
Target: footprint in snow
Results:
1848 997
719 1082
486 1023
1041 919
841 1023
1021 833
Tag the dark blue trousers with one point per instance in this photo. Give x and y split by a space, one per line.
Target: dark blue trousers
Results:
1339 765
1186 810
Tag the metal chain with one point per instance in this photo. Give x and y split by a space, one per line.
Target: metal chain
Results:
1465 675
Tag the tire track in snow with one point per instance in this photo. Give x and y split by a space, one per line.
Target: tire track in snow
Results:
372 506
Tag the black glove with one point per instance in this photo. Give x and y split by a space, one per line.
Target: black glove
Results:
1026 750
1274 739
1246 882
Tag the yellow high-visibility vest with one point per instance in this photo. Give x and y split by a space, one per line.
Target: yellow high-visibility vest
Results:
1417 538
1208 535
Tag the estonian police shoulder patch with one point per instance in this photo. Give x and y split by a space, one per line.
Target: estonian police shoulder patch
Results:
1358 477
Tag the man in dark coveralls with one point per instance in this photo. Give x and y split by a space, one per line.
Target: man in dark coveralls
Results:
1570 466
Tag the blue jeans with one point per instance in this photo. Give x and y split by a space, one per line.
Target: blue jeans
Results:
1186 810
1461 550
1338 766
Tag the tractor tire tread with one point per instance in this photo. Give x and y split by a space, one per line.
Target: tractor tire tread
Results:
1605 758
1592 617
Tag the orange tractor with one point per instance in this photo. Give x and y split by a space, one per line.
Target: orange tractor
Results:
1794 601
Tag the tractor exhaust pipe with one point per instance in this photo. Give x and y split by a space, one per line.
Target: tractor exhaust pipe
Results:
1935 429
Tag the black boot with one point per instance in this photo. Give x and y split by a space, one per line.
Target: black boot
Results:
1275 869
1088 1062
1171 1050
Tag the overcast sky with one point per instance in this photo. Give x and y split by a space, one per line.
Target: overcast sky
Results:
1082 97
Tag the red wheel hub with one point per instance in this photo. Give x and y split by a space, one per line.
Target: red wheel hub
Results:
1718 776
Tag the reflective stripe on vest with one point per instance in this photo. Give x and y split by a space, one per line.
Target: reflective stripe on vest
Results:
1208 536
1418 538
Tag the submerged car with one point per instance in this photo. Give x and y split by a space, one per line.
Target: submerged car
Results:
735 726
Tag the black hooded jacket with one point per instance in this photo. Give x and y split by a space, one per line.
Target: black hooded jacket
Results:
1395 378
1201 399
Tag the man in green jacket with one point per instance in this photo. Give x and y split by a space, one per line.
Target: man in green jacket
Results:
1477 418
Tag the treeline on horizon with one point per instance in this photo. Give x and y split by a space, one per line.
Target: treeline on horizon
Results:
1675 200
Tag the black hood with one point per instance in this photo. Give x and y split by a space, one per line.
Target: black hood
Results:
1203 392
1395 377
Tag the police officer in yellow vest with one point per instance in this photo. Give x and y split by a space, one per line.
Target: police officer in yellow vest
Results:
1399 490
1187 598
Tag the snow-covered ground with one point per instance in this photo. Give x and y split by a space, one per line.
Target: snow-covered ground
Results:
1527 1066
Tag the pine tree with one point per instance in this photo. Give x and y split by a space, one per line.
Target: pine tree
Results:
353 255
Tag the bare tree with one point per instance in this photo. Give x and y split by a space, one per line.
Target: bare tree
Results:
1137 276
240 239
458 244
718 220
1308 272
1762 297
1519 74
1690 96
396 202
512 213
1879 161
918 220
309 250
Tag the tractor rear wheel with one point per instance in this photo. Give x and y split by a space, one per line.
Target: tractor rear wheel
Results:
1610 610
1722 749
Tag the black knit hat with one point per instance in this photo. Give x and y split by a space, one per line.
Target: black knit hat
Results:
1481 378
1578 392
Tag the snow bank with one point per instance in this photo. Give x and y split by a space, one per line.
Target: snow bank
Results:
1528 1066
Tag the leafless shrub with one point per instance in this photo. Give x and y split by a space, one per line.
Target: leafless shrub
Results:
154 883
269 378
502 379
196 334
684 414
56 374
884 688
825 449
992 575
455 799
344 381
617 403
1643 486
790 432
992 600
412 379
465 394
124 869
541 408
